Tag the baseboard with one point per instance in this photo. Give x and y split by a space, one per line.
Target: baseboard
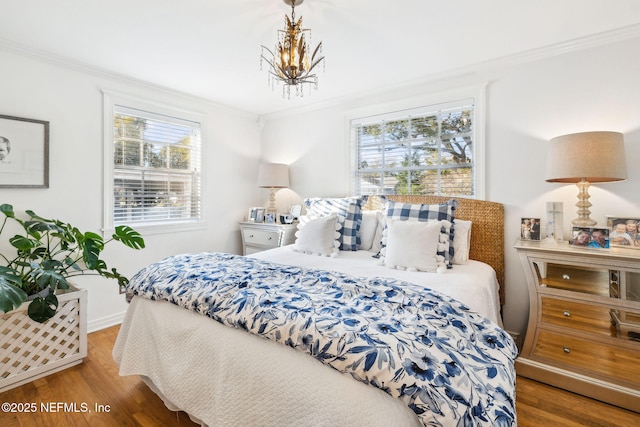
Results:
105 322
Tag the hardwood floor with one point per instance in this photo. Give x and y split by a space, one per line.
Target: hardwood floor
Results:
126 401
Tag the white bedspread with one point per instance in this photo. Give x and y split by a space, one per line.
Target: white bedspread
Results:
474 284
225 377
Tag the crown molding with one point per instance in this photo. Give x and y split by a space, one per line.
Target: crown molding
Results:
85 68
581 43
474 70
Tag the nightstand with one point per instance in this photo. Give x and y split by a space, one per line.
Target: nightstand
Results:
259 236
583 333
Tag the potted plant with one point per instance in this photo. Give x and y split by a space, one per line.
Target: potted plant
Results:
44 327
46 254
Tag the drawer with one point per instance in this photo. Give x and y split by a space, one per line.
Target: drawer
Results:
576 315
267 238
588 280
614 364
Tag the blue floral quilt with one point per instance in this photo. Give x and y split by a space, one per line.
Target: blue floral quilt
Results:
448 364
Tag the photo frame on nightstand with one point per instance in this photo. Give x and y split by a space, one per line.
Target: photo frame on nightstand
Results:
296 211
256 214
588 237
530 228
624 232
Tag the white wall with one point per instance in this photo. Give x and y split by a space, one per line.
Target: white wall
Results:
70 99
528 102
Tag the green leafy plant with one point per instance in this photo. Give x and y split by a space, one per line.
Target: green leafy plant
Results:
48 253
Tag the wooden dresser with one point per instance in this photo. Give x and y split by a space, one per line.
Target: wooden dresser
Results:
583 333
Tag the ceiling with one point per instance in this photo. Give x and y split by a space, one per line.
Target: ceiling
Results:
211 48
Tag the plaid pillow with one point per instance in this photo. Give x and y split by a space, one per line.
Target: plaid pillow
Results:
422 212
348 209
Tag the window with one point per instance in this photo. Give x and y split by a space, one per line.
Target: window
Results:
155 166
428 150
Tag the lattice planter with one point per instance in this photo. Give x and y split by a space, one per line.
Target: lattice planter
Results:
31 350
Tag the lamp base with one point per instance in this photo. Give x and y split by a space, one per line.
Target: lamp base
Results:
272 209
583 205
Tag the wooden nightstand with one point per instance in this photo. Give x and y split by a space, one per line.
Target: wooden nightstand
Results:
259 236
584 320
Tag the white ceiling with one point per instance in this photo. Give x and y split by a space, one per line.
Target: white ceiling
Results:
211 48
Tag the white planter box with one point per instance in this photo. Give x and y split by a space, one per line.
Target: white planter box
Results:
31 350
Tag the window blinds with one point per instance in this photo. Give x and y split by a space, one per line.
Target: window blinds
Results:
427 150
157 168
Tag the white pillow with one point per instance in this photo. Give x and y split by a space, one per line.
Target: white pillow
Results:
412 245
376 245
318 236
461 241
368 229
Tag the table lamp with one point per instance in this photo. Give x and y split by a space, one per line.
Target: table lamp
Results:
586 158
272 176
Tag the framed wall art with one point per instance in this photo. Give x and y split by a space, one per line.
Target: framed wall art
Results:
24 153
625 231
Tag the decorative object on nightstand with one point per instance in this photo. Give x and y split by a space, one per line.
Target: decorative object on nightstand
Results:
586 158
258 237
583 333
273 176
553 227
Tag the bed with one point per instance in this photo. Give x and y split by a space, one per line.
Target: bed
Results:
387 346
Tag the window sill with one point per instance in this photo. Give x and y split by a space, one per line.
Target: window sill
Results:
163 228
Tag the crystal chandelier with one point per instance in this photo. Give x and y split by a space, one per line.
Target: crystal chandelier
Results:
290 63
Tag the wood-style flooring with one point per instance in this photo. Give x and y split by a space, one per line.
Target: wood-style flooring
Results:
126 401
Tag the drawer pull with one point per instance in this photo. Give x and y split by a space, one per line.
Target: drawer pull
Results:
566 350
251 236
566 277
566 313
270 238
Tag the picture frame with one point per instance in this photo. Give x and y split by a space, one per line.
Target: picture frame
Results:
259 214
296 211
624 231
24 152
256 214
590 237
270 218
530 228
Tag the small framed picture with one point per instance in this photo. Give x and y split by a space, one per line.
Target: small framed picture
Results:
530 228
296 211
590 237
624 232
270 218
255 215
259 214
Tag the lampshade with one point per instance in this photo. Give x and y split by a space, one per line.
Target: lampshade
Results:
273 175
592 156
586 158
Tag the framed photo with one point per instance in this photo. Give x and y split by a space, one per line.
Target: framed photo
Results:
270 218
24 153
624 232
590 237
259 214
255 215
296 211
530 228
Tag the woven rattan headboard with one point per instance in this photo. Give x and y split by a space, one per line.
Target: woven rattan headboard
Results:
487 230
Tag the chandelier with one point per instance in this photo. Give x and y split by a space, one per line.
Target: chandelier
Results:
289 63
